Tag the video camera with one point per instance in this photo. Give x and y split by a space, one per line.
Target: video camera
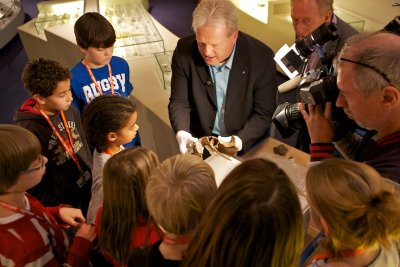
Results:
293 59
317 86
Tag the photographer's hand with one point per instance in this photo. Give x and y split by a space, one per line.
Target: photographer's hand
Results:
319 122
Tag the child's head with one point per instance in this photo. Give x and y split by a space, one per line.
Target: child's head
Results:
96 37
125 178
19 154
110 120
49 83
178 193
255 219
355 205
94 30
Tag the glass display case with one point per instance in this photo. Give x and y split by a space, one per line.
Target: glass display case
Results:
8 9
135 30
354 21
53 13
163 68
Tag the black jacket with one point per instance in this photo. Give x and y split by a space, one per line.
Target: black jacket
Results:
59 185
250 94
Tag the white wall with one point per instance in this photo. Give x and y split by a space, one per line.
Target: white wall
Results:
377 13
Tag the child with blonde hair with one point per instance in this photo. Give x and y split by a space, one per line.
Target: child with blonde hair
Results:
359 212
177 194
124 223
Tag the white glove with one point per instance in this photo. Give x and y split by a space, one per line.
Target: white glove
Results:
184 138
237 142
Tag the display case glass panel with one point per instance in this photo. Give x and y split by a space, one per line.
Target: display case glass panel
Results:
8 8
353 20
134 28
53 13
163 68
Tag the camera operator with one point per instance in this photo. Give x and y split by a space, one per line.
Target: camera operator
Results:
368 70
307 15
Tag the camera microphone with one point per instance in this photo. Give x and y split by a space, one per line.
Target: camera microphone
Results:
289 85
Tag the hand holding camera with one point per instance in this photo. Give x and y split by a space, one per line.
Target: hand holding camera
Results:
319 122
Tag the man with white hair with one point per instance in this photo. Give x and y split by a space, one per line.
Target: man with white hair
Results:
308 15
223 80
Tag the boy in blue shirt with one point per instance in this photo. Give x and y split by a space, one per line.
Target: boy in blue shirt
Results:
99 72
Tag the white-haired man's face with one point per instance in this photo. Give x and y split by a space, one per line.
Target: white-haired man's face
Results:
214 44
306 17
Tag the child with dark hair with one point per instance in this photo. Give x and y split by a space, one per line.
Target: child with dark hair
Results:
30 234
359 212
110 123
124 222
254 220
178 194
99 72
57 125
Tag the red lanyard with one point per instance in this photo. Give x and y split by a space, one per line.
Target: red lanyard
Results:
344 254
68 147
184 239
94 79
21 211
111 153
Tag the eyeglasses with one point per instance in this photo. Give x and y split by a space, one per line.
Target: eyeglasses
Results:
42 164
368 66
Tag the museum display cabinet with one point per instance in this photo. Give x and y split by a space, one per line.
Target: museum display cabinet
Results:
134 28
7 9
11 16
163 68
53 13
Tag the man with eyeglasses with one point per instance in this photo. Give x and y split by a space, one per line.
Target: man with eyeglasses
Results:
368 78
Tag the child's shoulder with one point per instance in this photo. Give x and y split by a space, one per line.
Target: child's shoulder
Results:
78 67
118 60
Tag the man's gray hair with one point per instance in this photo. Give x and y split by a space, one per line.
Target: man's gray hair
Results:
216 13
377 52
324 5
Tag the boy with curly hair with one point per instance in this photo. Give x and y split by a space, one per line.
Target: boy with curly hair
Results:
50 116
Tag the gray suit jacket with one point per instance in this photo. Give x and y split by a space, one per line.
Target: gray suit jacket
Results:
250 96
345 31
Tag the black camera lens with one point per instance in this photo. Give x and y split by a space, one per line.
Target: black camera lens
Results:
287 118
324 33
294 116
